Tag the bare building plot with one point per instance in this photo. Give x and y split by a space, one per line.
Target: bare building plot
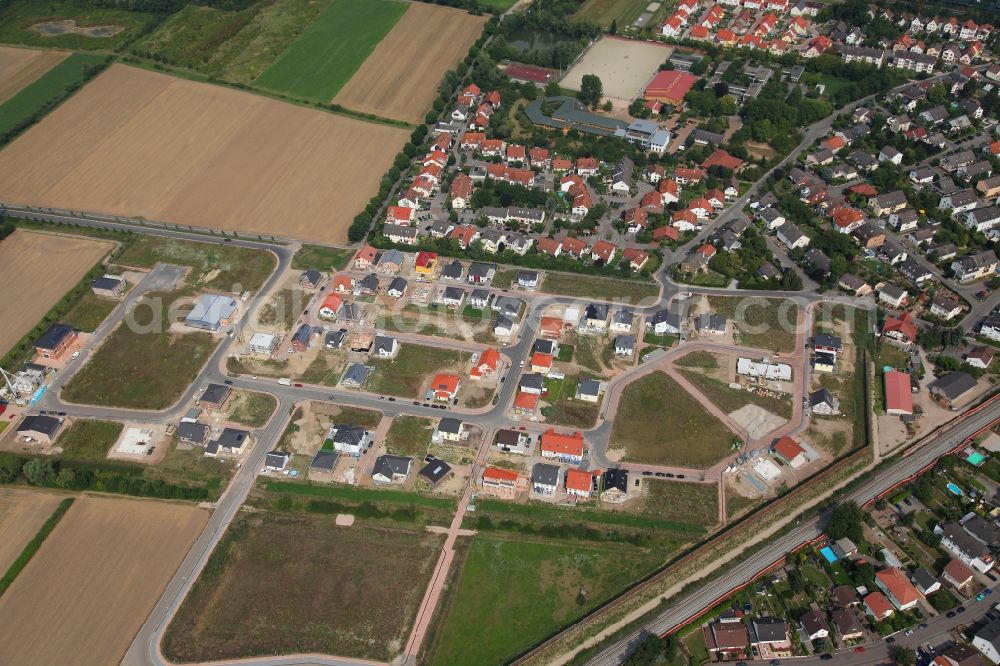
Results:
19 67
624 66
400 78
96 579
36 270
139 143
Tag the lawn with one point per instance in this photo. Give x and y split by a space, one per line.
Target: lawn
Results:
89 440
192 36
88 312
214 265
322 258
765 323
737 504
603 12
413 367
683 501
565 409
608 289
512 593
332 48
892 356
674 430
504 278
409 436
502 5
252 409
34 99
282 583
18 17
698 359
142 370
354 494
729 400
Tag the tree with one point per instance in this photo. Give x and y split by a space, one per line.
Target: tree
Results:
38 471
700 67
608 106
904 656
552 89
845 521
614 27
591 90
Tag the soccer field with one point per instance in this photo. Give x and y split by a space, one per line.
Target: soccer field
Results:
330 51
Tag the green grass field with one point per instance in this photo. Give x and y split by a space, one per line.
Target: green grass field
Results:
88 312
414 365
322 258
17 18
679 500
512 593
52 85
589 286
409 436
89 440
684 435
142 370
603 12
332 48
729 400
765 323
214 266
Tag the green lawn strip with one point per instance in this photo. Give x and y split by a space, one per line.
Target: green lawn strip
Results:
539 511
88 312
17 18
698 359
682 501
322 258
89 439
359 494
660 340
142 370
765 323
729 400
35 99
404 375
238 268
684 435
524 590
589 286
332 48
33 545
409 436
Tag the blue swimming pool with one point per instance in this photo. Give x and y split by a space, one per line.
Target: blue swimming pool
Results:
976 459
954 490
828 554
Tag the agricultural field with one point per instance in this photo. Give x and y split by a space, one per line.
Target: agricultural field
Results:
624 66
80 25
521 590
332 48
19 67
400 78
243 163
31 103
96 577
142 369
22 514
284 583
685 435
67 258
765 323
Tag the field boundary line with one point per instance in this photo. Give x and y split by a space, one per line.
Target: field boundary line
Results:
35 544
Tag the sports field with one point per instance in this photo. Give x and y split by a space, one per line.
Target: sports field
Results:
400 78
19 67
64 260
22 514
624 66
96 577
332 48
138 143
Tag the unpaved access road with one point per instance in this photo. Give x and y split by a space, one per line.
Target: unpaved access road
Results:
89 588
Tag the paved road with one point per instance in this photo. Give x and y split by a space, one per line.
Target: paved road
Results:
692 603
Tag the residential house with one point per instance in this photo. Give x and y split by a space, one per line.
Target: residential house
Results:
544 478
769 636
513 441
824 403
964 546
878 606
391 469
814 625
958 574
501 483
564 447
898 394
897 588
952 387
348 439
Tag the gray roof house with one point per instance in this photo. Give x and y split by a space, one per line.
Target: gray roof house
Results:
391 469
544 478
952 386
435 471
355 376
192 433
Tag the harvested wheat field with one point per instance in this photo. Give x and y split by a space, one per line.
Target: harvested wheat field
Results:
36 271
400 78
19 67
94 581
22 513
139 143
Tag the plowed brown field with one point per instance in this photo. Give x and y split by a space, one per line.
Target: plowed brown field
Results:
19 67
36 270
145 144
400 78
22 513
89 588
